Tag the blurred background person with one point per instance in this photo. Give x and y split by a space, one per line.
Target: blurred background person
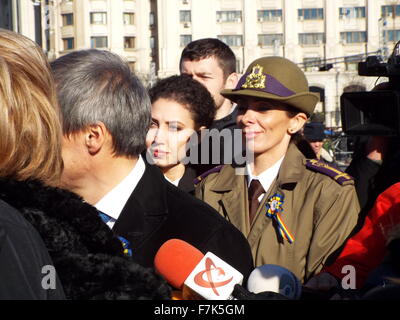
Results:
375 163
293 211
181 108
314 132
89 261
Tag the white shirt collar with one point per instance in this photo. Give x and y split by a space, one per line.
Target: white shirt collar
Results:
175 183
266 177
114 201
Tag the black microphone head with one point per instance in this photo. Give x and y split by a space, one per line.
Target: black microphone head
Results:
241 293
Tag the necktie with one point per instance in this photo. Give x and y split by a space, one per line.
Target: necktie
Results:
105 217
125 243
255 190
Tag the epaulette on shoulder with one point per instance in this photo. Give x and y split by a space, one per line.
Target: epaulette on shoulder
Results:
340 177
205 174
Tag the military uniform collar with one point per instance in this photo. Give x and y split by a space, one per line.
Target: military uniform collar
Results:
291 171
292 168
226 179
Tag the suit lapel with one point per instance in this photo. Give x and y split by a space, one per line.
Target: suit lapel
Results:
145 210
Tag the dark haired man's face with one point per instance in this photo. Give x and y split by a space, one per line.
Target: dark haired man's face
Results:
209 73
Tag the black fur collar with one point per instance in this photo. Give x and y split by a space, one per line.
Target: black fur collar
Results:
55 213
88 258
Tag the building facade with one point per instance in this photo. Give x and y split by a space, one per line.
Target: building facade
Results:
327 38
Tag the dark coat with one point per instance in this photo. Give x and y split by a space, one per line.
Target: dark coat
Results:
158 211
187 181
23 257
88 258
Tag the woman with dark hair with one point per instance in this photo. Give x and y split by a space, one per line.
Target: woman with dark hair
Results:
181 108
88 259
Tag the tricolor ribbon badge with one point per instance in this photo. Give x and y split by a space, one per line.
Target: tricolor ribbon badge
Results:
274 208
126 245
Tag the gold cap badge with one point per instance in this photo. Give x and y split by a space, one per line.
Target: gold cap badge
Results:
256 79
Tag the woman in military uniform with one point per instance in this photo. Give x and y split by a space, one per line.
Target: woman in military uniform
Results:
295 212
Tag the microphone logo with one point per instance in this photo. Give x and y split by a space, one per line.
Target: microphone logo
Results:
206 278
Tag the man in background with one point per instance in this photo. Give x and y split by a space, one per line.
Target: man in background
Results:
213 64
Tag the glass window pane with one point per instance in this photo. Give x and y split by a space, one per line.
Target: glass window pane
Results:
185 39
98 18
98 42
129 18
185 16
129 42
232 40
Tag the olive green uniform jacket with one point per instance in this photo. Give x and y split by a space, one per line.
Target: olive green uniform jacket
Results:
318 211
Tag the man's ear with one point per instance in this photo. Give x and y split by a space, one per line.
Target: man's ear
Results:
232 81
297 122
95 137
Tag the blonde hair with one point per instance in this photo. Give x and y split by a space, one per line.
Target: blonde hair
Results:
30 129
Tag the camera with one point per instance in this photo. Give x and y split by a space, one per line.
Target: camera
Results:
374 112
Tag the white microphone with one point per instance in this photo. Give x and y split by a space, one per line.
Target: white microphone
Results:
198 276
212 279
274 278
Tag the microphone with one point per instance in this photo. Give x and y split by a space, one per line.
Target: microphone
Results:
274 278
199 276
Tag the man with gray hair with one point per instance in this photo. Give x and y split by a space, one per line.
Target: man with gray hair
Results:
106 114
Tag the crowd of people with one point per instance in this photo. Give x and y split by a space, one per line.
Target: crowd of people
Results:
97 172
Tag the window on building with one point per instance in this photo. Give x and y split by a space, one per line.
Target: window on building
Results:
131 65
129 42
68 43
353 37
311 63
311 14
98 17
129 18
390 11
229 16
238 66
99 42
152 19
312 38
269 15
232 40
270 39
152 42
67 19
352 12
351 62
185 16
185 39
391 35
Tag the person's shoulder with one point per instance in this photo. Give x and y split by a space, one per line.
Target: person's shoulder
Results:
209 174
11 217
325 170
